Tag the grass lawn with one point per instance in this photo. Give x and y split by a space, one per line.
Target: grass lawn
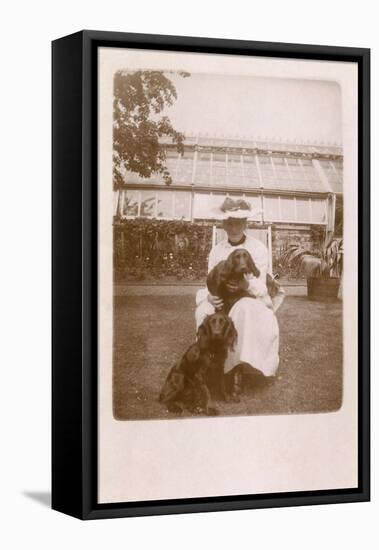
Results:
152 332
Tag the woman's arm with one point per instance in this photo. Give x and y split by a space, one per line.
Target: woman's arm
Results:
212 262
202 294
212 259
257 285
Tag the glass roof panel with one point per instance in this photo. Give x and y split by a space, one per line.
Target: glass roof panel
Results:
280 172
333 171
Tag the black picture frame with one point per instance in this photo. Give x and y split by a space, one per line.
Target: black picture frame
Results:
74 272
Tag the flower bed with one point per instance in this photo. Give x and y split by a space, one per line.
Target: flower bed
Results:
156 250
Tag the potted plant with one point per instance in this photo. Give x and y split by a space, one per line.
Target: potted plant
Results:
321 266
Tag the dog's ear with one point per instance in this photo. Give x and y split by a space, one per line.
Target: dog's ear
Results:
229 266
213 281
216 277
252 267
230 334
192 354
204 333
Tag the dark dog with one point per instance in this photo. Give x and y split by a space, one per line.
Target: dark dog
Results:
217 335
185 385
232 270
202 366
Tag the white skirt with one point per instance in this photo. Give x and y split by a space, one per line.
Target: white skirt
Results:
258 334
258 337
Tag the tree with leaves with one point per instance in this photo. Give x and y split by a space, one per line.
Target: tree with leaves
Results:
139 98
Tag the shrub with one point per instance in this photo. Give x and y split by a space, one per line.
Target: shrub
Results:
154 249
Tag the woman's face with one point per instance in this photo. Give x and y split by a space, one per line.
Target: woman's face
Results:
235 228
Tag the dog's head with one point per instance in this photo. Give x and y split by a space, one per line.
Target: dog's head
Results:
217 328
239 263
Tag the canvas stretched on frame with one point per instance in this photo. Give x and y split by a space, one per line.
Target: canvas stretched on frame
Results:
285 459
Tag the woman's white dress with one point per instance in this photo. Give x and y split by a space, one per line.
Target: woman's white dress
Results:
255 320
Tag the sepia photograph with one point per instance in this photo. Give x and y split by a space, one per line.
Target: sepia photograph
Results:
227 245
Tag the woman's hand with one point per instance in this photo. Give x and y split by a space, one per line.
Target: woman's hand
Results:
216 302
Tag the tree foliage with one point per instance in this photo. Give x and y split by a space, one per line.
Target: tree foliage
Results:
139 98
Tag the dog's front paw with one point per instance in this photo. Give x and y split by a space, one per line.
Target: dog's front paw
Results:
212 411
235 397
174 408
224 395
196 409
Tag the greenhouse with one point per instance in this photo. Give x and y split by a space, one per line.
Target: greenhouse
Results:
293 188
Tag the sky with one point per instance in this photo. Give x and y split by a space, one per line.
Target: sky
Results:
306 111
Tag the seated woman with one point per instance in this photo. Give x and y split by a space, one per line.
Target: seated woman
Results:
258 332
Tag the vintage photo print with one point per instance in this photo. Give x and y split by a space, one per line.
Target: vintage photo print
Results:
227 243
227 273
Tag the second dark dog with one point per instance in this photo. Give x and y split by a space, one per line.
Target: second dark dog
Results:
232 270
238 264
